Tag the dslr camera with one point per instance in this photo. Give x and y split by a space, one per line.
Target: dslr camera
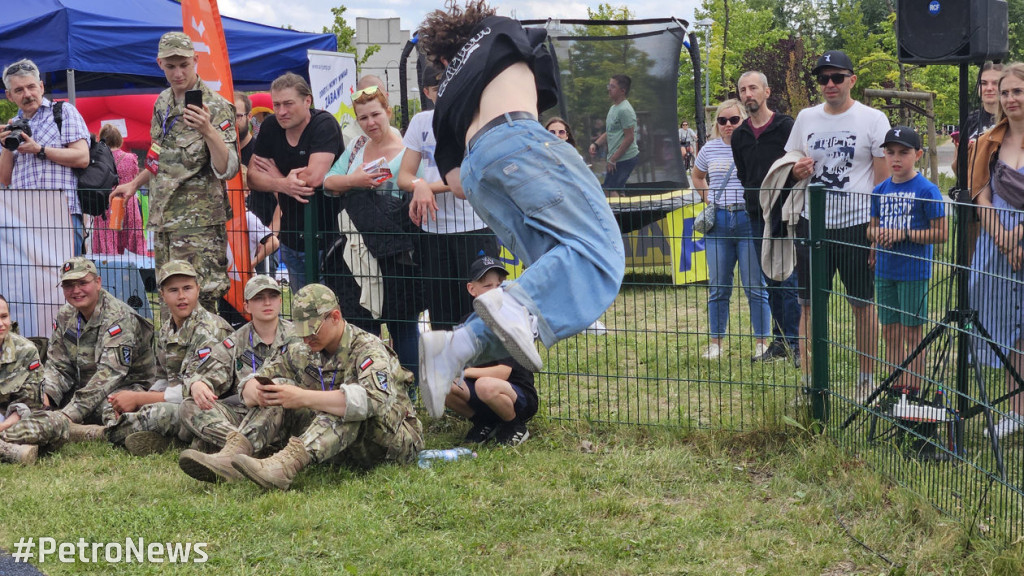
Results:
18 126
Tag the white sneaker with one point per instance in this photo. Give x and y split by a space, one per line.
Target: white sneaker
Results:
712 352
760 349
439 366
596 329
1010 424
513 324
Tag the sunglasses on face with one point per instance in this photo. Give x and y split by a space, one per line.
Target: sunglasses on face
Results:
837 78
734 120
557 132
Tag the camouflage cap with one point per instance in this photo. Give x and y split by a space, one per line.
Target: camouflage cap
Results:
309 306
259 283
175 268
175 44
77 267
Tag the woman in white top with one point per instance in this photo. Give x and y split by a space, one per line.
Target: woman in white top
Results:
375 213
730 241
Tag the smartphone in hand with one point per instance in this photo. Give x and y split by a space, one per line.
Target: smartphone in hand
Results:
194 97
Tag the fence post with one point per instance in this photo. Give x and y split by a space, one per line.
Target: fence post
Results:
311 256
819 304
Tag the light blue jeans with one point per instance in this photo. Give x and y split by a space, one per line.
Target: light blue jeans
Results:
295 262
730 242
538 196
78 223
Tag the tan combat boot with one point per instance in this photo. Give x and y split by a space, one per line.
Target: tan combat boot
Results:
215 467
18 453
279 470
85 432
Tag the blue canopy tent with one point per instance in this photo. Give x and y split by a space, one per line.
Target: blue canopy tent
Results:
109 46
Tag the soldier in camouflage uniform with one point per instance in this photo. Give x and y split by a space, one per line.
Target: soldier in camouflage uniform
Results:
148 421
99 346
193 151
343 394
21 385
212 407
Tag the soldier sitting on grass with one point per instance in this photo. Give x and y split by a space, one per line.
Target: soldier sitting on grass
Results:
99 346
148 421
212 407
499 396
343 395
21 384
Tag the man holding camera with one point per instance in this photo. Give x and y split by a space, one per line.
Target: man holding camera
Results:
193 151
38 159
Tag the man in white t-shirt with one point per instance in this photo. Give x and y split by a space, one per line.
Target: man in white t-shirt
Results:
842 139
454 235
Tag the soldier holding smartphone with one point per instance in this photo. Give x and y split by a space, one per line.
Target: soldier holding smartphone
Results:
193 151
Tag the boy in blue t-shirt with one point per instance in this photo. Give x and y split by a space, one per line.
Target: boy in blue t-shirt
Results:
907 217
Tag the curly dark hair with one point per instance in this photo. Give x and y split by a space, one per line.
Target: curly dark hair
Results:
445 31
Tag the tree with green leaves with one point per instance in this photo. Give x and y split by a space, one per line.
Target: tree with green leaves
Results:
347 37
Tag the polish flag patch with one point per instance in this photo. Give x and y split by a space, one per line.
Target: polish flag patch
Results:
34 365
365 364
203 353
114 330
225 125
229 344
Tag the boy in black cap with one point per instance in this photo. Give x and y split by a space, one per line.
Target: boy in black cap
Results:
907 217
499 396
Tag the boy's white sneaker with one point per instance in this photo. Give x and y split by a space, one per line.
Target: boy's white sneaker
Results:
439 367
513 324
712 352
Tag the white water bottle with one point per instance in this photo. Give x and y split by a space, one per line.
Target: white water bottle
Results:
428 457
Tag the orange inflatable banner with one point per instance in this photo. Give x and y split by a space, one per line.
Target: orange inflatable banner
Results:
202 24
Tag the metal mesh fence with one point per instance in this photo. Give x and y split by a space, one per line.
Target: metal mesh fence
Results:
937 396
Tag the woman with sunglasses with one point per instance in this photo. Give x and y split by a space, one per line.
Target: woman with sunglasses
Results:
376 216
560 128
730 241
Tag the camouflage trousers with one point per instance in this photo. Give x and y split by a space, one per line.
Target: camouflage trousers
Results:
160 417
213 426
205 248
42 428
364 444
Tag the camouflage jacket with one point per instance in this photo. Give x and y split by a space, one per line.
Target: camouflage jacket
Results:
186 191
21 374
92 358
238 357
179 353
368 371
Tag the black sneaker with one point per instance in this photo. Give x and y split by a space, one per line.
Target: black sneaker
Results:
776 350
512 433
481 432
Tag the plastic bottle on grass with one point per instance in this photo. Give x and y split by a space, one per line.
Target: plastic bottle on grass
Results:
428 457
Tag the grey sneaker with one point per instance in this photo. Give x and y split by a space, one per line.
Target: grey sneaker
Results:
1009 425
513 324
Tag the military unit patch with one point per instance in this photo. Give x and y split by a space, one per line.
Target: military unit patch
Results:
114 330
249 358
126 356
70 335
34 366
229 344
382 380
366 363
312 371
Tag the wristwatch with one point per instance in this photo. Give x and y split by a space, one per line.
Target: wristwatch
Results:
42 153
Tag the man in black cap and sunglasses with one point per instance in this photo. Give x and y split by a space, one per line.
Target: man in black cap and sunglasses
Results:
842 140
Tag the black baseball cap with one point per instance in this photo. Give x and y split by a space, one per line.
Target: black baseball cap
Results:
904 135
833 59
483 265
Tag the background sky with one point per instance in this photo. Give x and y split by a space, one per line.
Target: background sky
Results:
313 15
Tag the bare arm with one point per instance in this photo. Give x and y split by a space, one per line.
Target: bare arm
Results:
220 155
881 170
700 182
292 397
500 371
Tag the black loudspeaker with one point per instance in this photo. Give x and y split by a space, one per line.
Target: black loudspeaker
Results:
951 31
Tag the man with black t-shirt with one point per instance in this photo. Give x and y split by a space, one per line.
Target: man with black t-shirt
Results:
531 188
295 149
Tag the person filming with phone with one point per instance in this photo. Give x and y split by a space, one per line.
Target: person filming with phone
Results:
193 151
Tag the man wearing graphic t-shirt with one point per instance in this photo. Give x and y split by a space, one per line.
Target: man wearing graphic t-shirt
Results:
842 139
531 188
